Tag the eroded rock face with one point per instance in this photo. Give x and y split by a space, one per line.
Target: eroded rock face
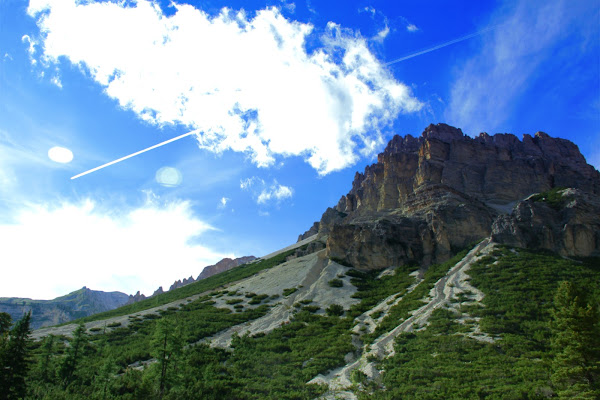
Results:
224 265
570 227
429 195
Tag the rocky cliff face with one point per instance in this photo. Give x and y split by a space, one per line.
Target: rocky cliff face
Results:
566 221
224 265
429 195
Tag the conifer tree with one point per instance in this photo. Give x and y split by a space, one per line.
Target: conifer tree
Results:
576 343
74 353
13 357
168 345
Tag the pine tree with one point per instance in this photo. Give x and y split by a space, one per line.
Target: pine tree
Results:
44 366
13 357
74 353
168 346
576 343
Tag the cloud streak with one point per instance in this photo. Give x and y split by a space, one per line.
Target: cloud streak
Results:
248 84
516 57
413 28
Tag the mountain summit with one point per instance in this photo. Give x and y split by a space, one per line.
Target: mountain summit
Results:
429 195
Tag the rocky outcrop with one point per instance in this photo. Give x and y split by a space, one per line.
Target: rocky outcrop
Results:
136 297
180 283
314 229
224 265
568 223
429 195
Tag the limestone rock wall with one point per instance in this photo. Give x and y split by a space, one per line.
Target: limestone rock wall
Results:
427 196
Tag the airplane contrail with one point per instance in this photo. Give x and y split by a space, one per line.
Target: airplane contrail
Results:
135 154
439 46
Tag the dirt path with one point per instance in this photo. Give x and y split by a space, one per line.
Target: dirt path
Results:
309 275
446 288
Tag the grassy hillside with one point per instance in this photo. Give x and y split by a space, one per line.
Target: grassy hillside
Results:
438 362
519 286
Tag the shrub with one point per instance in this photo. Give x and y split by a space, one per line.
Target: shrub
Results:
311 309
336 283
335 310
234 301
113 325
287 292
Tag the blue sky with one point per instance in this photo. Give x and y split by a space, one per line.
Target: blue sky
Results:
288 99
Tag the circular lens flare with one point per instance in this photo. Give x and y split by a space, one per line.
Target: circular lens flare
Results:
60 155
168 176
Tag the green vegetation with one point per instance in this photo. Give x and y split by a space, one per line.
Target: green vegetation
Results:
552 197
336 283
414 299
13 356
335 310
576 343
530 358
257 299
288 291
542 341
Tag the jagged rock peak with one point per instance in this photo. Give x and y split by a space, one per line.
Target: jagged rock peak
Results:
443 132
443 190
540 144
224 265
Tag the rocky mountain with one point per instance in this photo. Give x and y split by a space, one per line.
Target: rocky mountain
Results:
224 265
77 304
402 290
427 196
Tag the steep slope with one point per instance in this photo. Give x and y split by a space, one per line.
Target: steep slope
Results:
77 304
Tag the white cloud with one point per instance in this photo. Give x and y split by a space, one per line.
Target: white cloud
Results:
50 250
247 83
274 192
249 182
412 28
56 81
382 34
519 51
264 193
290 7
223 202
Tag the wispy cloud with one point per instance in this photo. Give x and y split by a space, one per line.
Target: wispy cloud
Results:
65 246
411 27
514 58
248 84
223 202
266 193
275 192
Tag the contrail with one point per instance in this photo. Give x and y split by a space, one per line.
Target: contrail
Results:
439 46
135 154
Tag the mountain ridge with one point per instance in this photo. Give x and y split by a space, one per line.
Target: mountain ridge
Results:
77 304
